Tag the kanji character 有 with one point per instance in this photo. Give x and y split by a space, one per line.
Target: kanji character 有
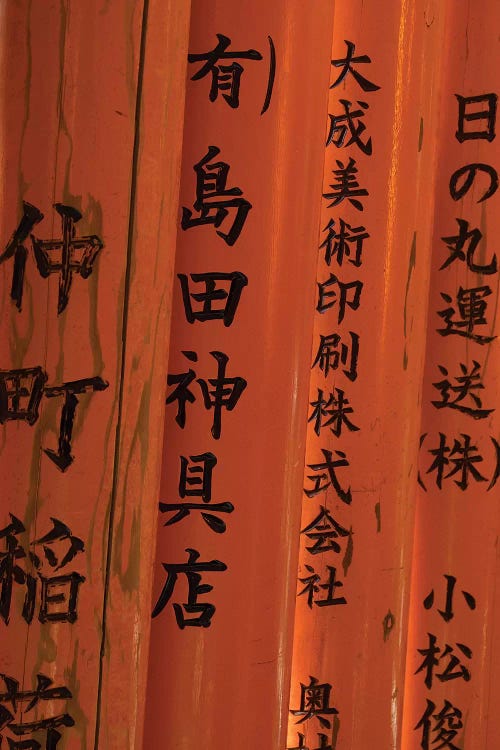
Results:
192 570
214 201
226 78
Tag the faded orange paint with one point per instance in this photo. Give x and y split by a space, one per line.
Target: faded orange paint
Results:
82 105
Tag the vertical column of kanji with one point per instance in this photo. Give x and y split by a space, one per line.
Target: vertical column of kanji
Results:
238 374
366 373
450 647
71 79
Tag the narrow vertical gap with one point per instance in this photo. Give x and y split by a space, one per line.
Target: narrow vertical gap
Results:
126 300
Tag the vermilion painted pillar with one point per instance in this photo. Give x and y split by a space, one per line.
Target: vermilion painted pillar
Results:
451 680
91 112
359 486
238 375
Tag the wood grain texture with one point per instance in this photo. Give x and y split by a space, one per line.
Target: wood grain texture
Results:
77 82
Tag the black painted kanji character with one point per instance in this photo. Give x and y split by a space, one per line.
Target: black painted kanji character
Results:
214 201
459 187
445 724
331 412
463 456
192 570
348 295
59 594
447 613
471 306
324 743
195 476
323 531
349 123
20 394
11 572
225 394
454 669
226 78
17 698
346 186
332 352
68 255
59 546
486 116
315 703
463 463
312 586
465 390
326 476
16 249
181 392
337 244
229 297
301 743
59 597
347 66
456 247
192 485
62 457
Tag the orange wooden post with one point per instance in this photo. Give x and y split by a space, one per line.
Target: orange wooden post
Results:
91 98
451 692
230 495
367 357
